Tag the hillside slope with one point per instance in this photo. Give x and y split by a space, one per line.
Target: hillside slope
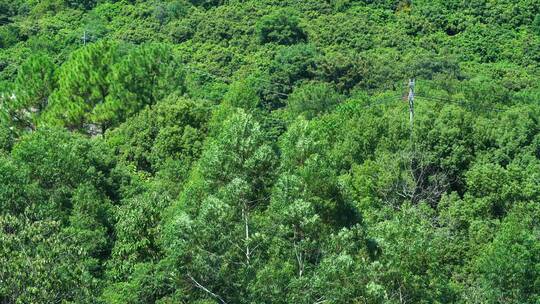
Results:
262 151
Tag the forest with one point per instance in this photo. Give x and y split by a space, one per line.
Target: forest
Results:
262 151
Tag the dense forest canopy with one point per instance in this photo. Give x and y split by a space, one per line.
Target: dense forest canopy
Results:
260 151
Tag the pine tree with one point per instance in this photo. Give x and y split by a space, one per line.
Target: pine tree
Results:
83 84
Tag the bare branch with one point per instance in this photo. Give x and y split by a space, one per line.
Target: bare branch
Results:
198 285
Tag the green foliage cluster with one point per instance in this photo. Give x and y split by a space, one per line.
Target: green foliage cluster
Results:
209 151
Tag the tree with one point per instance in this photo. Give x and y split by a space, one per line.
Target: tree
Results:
146 75
516 281
413 265
172 131
137 233
536 24
82 85
343 70
245 93
217 260
281 27
43 263
98 88
291 65
312 99
34 84
58 162
16 189
56 218
6 136
207 3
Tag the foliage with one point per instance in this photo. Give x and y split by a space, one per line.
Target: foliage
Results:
312 99
210 151
281 27
82 85
34 84
145 76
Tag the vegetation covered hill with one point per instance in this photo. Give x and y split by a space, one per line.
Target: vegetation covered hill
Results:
260 151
